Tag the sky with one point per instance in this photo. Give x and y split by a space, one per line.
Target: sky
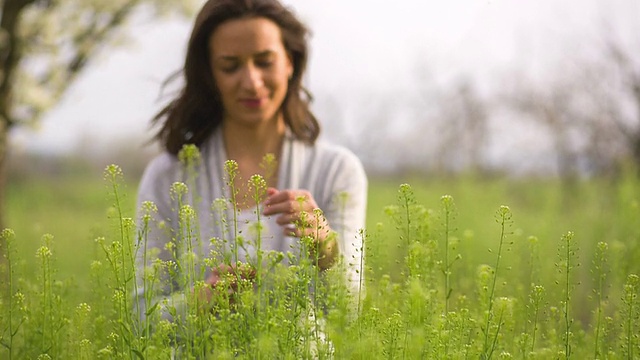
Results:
356 46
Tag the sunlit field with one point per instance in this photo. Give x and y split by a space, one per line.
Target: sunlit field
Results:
459 267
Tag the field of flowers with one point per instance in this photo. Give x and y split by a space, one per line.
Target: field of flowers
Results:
455 268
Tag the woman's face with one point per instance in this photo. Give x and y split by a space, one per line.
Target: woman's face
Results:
251 70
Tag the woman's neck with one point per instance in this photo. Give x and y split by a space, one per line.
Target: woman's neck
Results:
248 146
252 143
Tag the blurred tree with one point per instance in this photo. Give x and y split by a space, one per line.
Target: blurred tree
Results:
588 115
591 109
551 106
463 130
45 44
624 104
592 105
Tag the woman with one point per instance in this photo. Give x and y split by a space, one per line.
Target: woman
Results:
243 99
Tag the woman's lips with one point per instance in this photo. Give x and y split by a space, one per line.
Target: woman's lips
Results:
251 103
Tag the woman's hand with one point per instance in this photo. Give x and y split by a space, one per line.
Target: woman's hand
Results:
299 215
225 278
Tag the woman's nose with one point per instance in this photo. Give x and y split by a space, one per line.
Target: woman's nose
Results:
251 78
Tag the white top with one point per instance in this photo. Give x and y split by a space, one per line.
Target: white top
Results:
325 170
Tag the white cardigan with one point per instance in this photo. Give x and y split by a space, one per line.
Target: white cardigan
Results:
325 170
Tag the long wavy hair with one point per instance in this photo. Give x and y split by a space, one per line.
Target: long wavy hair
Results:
197 110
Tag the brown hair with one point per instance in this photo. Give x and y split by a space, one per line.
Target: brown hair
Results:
197 111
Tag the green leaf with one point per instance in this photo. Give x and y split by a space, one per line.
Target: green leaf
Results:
152 309
138 354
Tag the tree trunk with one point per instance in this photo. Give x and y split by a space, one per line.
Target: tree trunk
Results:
9 54
9 59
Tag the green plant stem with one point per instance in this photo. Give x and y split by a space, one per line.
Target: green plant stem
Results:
316 275
146 288
7 236
446 259
567 291
45 291
504 216
630 296
630 332
121 225
232 173
360 280
257 196
535 324
600 277
495 337
406 208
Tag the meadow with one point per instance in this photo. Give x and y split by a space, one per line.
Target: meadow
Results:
456 267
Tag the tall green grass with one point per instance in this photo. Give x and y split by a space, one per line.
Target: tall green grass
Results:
464 268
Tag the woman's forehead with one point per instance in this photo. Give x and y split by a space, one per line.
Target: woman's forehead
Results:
246 37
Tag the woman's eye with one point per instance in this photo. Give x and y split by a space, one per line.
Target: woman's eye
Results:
264 64
229 69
